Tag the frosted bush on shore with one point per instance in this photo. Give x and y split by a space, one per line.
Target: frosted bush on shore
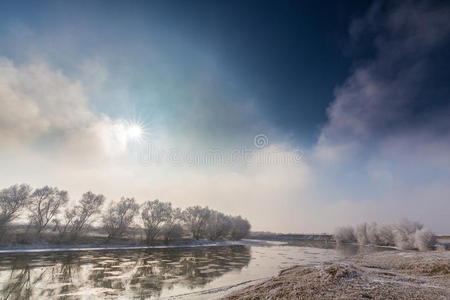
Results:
344 234
361 234
404 235
386 235
424 239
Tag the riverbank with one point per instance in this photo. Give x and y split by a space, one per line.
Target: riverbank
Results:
72 248
382 275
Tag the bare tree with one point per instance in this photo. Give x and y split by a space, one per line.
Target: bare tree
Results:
44 206
79 217
12 200
218 225
172 229
195 218
154 215
119 217
240 228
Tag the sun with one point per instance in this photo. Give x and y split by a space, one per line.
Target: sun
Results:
134 132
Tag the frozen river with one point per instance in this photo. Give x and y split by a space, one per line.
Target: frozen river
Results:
204 272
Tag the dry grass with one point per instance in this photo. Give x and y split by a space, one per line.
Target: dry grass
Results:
385 275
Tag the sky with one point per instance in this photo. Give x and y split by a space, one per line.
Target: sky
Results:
298 115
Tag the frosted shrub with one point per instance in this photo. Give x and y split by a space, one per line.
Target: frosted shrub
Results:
424 239
372 234
386 235
404 235
402 239
361 234
344 234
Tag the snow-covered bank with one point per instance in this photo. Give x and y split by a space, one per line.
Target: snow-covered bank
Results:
35 249
382 275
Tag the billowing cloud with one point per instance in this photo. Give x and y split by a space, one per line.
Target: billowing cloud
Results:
37 100
388 133
40 103
389 95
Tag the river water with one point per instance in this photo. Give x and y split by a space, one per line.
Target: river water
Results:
197 273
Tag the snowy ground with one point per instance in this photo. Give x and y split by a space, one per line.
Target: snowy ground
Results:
382 275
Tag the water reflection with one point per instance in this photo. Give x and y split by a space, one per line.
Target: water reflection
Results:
137 274
344 250
347 250
143 274
19 285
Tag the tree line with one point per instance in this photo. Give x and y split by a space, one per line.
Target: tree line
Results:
48 208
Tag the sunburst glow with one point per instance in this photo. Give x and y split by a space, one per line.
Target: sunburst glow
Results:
134 132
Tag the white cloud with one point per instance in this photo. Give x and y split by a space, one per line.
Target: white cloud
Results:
36 100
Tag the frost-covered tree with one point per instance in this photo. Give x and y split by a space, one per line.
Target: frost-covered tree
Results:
154 215
64 224
119 217
240 228
80 216
195 218
45 204
218 225
172 228
12 200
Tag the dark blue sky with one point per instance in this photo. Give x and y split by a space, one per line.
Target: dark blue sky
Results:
287 56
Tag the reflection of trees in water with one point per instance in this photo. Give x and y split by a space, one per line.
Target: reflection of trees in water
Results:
190 268
347 249
20 283
51 275
146 273
65 271
312 244
133 273
353 249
